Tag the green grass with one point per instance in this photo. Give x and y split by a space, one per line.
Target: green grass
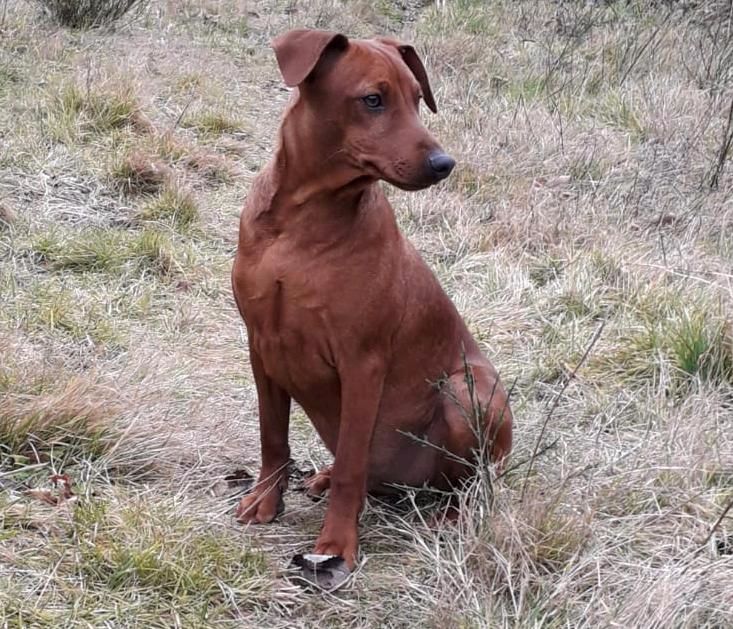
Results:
149 547
75 113
671 336
212 122
126 551
175 206
526 89
93 250
616 110
465 16
107 251
701 346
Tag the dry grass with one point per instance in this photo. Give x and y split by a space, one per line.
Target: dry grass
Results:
88 13
593 192
139 173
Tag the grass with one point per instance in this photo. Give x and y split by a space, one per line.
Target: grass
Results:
136 554
88 13
75 113
108 251
173 205
139 173
40 420
580 218
156 167
210 122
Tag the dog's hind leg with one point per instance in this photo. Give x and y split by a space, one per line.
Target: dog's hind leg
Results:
477 417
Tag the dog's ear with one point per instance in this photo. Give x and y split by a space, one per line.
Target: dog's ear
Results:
299 51
413 61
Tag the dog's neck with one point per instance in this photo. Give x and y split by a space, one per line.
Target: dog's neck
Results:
323 177
310 189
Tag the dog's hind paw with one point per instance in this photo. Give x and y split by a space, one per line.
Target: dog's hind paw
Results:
318 484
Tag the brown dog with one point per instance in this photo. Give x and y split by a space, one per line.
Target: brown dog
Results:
342 314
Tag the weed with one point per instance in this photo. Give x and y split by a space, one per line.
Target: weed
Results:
700 346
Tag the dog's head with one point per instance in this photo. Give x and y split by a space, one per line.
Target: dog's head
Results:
365 96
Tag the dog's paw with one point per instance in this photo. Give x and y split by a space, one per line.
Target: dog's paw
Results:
343 544
318 484
260 507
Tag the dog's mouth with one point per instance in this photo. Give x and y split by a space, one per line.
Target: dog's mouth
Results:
389 175
409 186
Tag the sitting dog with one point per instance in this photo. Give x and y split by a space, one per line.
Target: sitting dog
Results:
342 313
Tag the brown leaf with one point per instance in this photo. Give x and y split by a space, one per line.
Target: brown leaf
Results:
43 495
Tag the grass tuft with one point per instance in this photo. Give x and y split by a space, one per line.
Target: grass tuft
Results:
701 346
212 167
211 122
154 251
94 250
97 250
175 206
74 112
139 173
84 14
588 138
46 420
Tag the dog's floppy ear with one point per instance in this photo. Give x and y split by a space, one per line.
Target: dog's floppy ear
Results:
299 51
412 60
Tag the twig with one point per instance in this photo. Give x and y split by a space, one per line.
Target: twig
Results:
554 406
638 52
715 526
515 466
725 147
183 112
710 534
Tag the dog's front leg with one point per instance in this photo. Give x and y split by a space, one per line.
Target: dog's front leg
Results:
264 501
361 393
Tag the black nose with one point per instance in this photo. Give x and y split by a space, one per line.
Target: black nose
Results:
441 164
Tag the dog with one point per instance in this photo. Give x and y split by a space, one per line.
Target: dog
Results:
342 314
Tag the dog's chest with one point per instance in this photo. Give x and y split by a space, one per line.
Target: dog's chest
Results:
288 319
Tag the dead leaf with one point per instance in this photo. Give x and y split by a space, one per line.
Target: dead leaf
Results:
43 495
326 572
62 484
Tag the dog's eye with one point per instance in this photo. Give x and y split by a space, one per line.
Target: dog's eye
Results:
373 101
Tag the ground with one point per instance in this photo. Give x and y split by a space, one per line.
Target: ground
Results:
586 236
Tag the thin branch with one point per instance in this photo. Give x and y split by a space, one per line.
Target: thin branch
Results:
555 404
725 147
715 526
